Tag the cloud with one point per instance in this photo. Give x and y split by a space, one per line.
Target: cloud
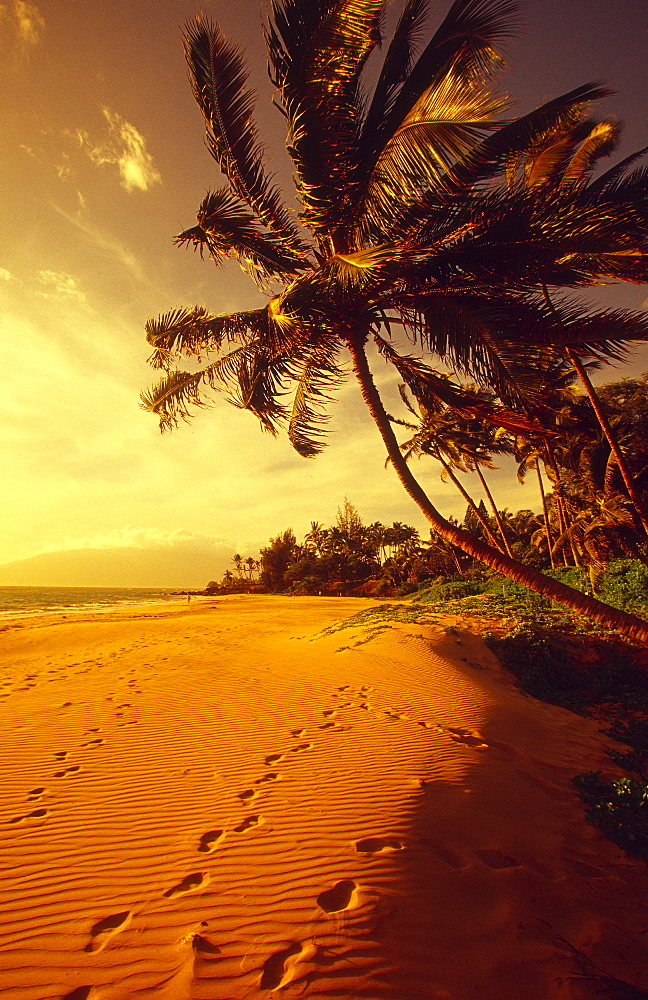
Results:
111 246
126 149
25 22
62 283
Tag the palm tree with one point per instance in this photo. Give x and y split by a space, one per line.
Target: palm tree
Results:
562 160
437 434
401 228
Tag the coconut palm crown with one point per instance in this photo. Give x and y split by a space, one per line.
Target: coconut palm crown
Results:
412 232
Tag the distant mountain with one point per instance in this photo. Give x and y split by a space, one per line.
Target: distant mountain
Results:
174 567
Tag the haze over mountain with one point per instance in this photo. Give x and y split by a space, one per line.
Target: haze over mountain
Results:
172 567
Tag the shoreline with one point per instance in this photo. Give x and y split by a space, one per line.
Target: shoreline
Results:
213 798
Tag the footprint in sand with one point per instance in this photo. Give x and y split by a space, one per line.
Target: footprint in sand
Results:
497 859
203 948
270 776
91 743
330 713
444 854
35 793
297 732
209 840
338 898
68 770
585 870
273 758
36 813
345 687
247 795
105 929
430 725
80 993
329 725
274 968
300 747
468 739
188 884
61 754
376 845
248 823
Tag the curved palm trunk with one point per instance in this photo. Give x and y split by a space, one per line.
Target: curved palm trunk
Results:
561 506
578 367
545 511
493 506
580 603
611 437
469 501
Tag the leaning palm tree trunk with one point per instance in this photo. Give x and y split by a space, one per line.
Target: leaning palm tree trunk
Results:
545 512
579 368
580 603
561 506
471 503
493 506
611 437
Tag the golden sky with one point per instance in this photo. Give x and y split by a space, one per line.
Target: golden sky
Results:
103 162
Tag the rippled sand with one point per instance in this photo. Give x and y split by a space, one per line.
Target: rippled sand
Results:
219 801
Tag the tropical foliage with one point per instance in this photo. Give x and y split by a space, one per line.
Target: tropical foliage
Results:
429 222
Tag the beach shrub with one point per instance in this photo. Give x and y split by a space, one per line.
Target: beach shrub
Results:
624 585
447 590
619 808
579 671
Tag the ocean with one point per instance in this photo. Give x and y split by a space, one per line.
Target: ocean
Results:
19 601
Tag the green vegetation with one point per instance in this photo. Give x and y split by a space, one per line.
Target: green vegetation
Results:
620 808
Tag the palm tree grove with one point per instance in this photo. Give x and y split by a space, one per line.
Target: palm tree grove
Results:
446 238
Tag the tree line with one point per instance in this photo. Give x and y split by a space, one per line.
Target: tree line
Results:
586 517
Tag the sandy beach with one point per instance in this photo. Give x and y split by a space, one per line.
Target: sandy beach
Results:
229 798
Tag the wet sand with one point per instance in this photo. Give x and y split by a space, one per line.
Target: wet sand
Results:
222 801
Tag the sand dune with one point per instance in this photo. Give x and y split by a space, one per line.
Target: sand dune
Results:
224 800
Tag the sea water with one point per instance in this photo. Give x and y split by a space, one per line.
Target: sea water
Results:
19 601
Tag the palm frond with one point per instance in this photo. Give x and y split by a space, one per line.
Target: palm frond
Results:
556 236
600 141
261 378
512 139
173 396
316 59
467 38
606 335
545 160
317 374
482 338
616 178
194 332
219 81
440 131
370 268
229 228
397 63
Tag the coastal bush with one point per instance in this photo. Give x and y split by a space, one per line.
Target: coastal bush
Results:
619 808
624 585
447 590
